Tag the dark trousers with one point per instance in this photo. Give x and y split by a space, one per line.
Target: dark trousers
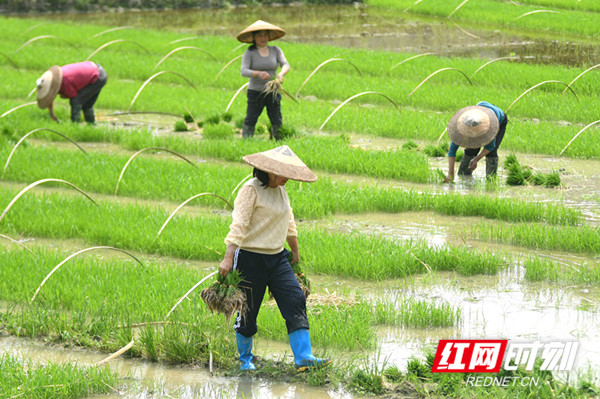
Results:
472 152
274 271
86 98
257 101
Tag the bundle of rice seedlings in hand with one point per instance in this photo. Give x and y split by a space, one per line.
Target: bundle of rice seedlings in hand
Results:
274 86
302 279
224 295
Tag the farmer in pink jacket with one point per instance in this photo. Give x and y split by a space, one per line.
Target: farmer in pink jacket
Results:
80 83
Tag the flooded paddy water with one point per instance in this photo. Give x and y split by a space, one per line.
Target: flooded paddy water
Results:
502 306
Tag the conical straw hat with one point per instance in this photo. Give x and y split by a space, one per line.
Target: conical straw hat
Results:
473 127
275 32
281 161
48 86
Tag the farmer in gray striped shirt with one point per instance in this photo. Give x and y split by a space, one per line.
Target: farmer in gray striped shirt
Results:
260 63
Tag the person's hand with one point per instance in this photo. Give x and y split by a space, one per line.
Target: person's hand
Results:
473 164
264 75
295 258
449 178
280 77
225 267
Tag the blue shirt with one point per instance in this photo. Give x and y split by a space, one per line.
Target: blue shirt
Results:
492 144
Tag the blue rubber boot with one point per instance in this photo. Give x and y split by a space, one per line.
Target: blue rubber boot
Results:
244 345
303 357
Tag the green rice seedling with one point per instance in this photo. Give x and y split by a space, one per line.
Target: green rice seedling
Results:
29 134
434 151
577 135
227 117
410 146
214 119
352 98
15 242
25 379
224 295
578 239
580 75
435 73
144 150
72 256
538 179
150 79
179 49
180 126
188 117
105 45
32 185
552 180
509 160
515 176
221 131
319 67
536 86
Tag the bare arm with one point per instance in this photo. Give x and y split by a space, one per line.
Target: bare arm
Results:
227 262
450 176
473 163
51 112
293 243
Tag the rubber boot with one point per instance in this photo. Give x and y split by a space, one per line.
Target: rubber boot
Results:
303 357
247 131
244 345
88 115
275 132
491 167
463 169
75 113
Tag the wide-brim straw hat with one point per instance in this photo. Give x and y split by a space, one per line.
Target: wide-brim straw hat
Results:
48 86
281 161
473 126
275 32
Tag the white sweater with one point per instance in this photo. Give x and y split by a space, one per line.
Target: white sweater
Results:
262 219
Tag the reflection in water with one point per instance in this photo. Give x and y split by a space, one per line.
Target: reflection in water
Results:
360 27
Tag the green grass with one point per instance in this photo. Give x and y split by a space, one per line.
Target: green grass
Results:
24 379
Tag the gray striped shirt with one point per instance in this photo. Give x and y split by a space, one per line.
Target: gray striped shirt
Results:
253 61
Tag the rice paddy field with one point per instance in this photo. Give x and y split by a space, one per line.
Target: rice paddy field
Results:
106 228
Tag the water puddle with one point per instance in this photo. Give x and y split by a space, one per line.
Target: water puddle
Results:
360 27
145 379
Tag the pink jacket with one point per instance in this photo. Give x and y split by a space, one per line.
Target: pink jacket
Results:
76 77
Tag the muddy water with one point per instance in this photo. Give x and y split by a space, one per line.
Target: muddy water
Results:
152 380
361 27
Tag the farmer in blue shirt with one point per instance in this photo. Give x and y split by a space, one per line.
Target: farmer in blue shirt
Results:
472 127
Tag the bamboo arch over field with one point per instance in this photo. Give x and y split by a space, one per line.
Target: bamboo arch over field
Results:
322 64
148 149
105 45
152 77
492 61
188 293
15 242
29 134
183 48
37 26
535 12
577 135
184 203
412 58
229 63
435 73
112 30
17 107
28 42
235 95
458 8
539 84
14 64
580 75
352 98
72 256
38 183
